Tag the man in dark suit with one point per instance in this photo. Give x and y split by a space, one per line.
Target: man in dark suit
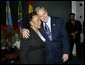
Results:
32 50
53 29
74 29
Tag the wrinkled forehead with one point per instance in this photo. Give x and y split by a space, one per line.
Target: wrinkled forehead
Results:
41 12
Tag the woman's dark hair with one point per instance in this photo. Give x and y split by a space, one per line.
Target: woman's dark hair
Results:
30 16
27 19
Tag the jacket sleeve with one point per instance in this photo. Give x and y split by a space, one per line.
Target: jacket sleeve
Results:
65 39
79 27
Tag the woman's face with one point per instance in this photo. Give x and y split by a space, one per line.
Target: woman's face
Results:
35 22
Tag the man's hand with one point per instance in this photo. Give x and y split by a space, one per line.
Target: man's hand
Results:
65 57
25 33
74 34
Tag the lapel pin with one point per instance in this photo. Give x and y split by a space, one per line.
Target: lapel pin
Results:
53 24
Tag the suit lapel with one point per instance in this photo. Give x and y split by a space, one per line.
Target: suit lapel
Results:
43 32
36 35
53 27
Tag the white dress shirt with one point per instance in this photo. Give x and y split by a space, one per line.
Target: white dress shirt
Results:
48 22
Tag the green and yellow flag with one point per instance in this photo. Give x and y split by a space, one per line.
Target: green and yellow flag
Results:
19 10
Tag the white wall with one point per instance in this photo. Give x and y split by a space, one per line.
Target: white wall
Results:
74 7
79 12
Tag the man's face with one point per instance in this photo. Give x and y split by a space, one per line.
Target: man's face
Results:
43 15
72 17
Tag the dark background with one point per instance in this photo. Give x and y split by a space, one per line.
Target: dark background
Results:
54 8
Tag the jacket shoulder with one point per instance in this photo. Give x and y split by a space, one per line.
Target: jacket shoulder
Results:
57 19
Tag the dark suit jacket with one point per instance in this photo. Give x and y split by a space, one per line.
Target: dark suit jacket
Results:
60 42
84 27
84 30
32 49
73 28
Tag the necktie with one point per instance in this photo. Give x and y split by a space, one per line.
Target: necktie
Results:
48 32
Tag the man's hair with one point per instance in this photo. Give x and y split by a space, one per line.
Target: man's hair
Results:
71 14
37 9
